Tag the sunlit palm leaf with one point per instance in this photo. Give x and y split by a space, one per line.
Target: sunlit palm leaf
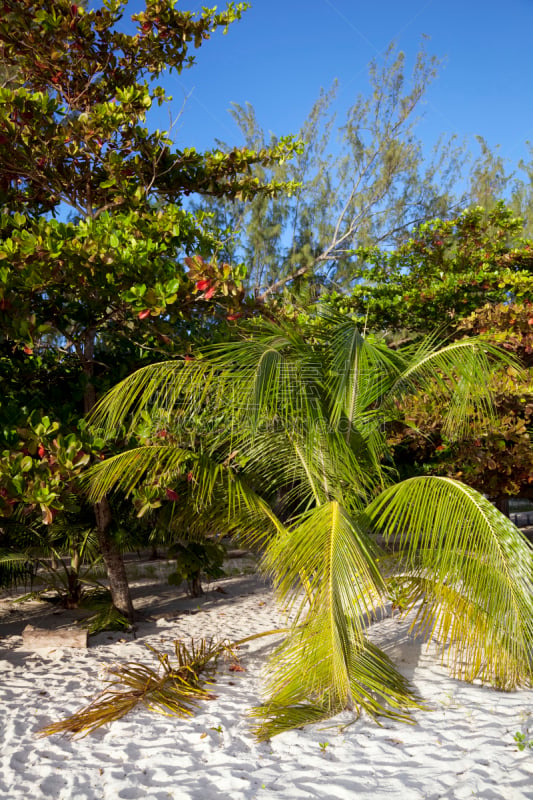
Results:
472 570
361 372
127 470
374 686
325 570
461 370
330 557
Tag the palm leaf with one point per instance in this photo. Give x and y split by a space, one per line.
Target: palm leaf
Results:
470 568
461 371
325 570
127 470
172 689
376 687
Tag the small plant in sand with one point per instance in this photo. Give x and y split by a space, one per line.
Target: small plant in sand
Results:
105 616
194 559
522 740
174 689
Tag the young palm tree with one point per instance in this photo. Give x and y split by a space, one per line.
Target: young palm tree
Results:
290 453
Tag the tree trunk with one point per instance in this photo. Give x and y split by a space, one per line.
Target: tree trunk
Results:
74 586
116 572
502 504
194 586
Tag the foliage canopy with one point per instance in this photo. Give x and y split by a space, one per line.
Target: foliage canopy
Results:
294 456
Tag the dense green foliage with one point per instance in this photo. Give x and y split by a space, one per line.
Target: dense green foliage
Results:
101 267
294 456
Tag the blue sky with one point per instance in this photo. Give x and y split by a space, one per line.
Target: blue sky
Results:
283 51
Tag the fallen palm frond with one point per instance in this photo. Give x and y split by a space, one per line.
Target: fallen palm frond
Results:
171 689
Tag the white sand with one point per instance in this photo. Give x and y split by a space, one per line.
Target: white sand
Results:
462 748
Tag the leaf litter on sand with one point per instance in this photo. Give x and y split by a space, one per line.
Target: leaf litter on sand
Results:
173 689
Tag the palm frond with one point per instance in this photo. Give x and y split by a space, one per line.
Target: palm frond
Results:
375 687
330 556
172 689
461 371
127 470
156 386
325 570
361 372
471 569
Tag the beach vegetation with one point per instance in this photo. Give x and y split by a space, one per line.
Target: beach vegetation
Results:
472 275
294 459
102 268
194 559
61 558
174 688
523 741
444 270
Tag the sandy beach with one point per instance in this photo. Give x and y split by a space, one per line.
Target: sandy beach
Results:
462 748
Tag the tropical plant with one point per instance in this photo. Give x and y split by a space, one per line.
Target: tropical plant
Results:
522 741
194 559
60 558
293 456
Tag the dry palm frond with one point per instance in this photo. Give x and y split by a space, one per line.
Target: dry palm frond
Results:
171 689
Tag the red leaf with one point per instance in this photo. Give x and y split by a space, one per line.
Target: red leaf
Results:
172 495
203 285
210 292
236 668
28 351
41 451
144 313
